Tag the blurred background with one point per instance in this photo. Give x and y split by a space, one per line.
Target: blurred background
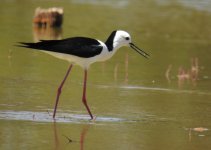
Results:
163 102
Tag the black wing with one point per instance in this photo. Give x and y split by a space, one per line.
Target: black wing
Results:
77 46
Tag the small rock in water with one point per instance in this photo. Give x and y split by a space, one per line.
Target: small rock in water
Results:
199 129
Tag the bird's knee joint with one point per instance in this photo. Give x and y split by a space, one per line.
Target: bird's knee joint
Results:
59 90
84 101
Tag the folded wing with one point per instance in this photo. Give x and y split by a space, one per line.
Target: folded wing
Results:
77 46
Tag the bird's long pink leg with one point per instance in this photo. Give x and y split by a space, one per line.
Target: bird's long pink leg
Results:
60 90
84 94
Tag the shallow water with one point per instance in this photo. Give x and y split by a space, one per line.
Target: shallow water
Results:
156 103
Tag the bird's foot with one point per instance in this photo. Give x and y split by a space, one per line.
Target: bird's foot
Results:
93 119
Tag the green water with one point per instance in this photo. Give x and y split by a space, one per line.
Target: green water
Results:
140 103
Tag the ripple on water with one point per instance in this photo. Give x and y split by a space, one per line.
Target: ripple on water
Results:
65 117
47 117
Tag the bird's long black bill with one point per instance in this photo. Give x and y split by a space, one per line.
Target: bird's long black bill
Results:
143 53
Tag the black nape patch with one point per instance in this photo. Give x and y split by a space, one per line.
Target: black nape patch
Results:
109 42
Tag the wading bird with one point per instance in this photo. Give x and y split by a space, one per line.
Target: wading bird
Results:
84 51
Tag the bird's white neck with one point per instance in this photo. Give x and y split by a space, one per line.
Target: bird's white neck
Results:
116 46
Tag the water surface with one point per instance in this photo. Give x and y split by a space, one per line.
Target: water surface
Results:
156 103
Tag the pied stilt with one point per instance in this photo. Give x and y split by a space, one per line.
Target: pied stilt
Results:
84 51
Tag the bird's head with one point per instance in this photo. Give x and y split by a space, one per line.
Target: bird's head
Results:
122 38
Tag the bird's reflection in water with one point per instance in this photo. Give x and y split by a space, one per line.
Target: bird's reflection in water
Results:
56 139
83 135
59 138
